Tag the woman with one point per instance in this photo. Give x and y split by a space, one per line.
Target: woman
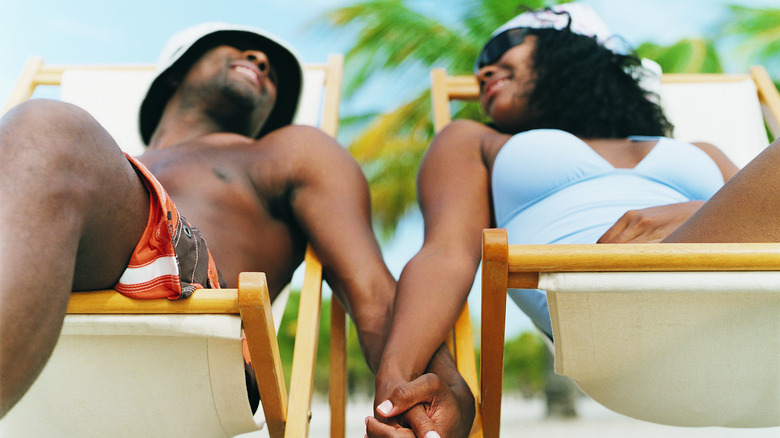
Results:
576 153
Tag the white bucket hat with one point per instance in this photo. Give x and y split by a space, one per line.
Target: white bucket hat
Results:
196 39
579 18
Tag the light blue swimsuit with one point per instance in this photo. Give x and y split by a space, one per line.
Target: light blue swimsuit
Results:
551 187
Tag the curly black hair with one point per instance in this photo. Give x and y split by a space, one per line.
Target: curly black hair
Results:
585 89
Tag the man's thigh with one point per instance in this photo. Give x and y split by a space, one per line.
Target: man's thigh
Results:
73 207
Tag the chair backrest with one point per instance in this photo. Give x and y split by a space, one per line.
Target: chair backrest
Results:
723 109
727 110
112 95
677 334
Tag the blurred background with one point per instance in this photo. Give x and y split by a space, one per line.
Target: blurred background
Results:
390 47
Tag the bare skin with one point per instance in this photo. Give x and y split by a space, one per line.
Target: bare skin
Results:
258 203
431 406
74 208
60 212
454 197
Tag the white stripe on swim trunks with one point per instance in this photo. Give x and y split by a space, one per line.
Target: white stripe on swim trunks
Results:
161 267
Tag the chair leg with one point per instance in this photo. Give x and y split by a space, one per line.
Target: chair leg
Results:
255 309
337 389
494 284
305 350
467 363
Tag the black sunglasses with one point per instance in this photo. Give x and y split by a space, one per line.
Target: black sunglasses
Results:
498 45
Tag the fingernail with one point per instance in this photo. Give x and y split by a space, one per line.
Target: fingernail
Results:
432 434
366 421
385 407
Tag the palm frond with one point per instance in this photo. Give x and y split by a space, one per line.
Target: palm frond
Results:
693 55
757 32
400 44
392 36
390 150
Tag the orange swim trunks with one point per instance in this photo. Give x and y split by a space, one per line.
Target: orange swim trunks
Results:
171 260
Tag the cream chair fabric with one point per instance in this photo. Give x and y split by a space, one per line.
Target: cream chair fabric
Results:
120 375
677 348
725 112
114 96
676 334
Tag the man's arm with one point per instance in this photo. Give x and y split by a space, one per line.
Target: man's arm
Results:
330 202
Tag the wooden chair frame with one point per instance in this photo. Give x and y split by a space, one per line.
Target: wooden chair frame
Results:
507 266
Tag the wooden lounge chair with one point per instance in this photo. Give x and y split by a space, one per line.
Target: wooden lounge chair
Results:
676 334
733 112
125 367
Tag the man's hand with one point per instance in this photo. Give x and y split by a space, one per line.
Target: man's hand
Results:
650 224
425 407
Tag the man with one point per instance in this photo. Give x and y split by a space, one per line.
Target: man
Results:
76 214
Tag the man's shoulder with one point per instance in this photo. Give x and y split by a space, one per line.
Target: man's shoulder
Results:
301 141
291 154
291 132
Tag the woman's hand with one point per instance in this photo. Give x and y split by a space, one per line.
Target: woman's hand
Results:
650 225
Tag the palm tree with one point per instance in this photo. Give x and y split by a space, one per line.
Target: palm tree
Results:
395 37
690 55
750 35
756 34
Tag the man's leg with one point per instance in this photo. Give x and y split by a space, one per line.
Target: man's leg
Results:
71 211
744 210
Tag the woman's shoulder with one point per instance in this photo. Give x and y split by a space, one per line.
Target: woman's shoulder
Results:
471 139
462 135
466 127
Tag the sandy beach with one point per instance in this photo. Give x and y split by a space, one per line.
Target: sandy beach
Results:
526 418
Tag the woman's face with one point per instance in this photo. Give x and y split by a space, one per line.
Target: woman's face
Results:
506 86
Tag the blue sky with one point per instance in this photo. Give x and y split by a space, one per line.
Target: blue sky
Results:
91 31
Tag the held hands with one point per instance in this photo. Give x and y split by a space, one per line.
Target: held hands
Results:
650 225
425 407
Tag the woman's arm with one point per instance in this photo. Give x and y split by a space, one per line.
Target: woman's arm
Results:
453 190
